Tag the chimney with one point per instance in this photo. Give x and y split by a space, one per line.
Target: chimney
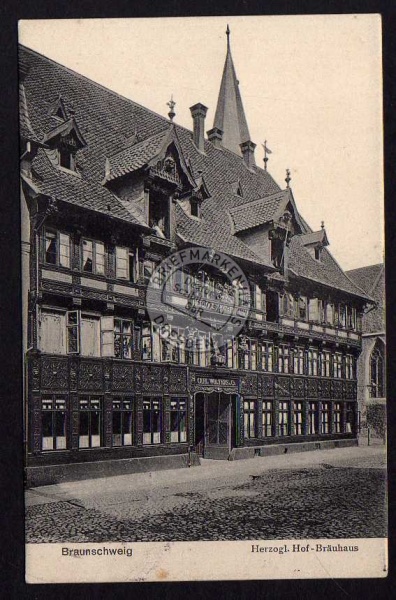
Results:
198 113
215 136
247 149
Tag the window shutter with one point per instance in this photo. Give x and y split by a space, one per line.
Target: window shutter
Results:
107 335
52 333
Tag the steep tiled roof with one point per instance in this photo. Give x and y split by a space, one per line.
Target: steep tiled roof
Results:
366 277
326 271
110 126
314 237
25 127
258 212
136 156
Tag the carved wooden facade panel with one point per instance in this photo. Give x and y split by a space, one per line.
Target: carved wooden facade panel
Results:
298 387
91 376
267 382
152 379
336 389
350 390
54 373
36 402
325 386
282 386
177 380
249 385
312 388
123 377
35 374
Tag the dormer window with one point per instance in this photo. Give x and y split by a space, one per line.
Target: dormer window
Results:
66 159
195 207
159 217
318 252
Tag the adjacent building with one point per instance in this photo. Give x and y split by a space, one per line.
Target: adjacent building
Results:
109 190
371 366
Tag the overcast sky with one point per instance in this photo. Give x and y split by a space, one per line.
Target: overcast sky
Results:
311 86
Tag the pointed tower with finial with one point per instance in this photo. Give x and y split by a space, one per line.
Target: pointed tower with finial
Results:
230 115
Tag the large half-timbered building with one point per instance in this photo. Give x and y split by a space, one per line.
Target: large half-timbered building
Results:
110 189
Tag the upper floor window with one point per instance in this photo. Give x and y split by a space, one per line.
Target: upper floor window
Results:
267 356
159 217
316 310
247 353
329 313
302 308
126 264
298 361
93 257
277 249
312 361
337 365
283 359
57 248
349 366
325 363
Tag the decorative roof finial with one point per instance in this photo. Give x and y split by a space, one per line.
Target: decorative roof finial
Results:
288 178
171 104
322 224
228 36
266 151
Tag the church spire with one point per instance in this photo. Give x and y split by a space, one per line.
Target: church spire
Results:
230 116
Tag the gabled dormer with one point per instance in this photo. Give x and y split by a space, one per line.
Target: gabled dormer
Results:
149 176
65 140
237 189
58 110
314 242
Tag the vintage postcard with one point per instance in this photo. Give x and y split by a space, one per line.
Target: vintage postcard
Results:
203 298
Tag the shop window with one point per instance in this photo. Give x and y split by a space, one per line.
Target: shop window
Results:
337 417
57 248
152 421
126 264
93 257
283 419
325 425
249 419
283 359
298 418
267 356
298 361
122 422
178 420
337 365
377 371
267 419
312 361
90 422
53 423
313 418
325 364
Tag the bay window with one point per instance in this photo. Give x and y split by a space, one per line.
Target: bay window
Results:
298 418
325 425
283 419
122 432
249 419
152 421
90 422
337 417
53 423
178 419
267 418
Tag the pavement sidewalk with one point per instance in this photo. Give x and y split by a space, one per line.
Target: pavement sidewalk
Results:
211 472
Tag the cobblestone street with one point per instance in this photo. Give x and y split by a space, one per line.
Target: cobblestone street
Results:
326 494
